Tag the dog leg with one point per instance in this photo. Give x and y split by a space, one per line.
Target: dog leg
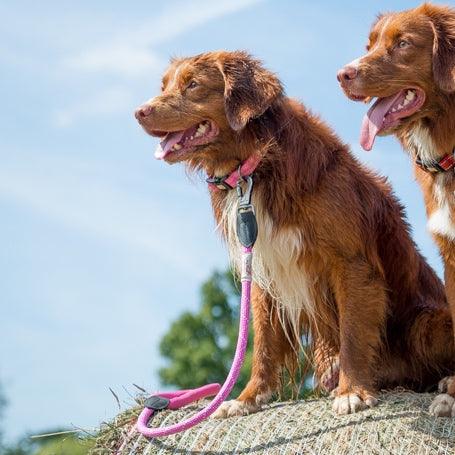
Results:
271 351
362 304
444 404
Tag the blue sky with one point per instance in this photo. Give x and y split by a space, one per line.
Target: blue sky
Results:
102 245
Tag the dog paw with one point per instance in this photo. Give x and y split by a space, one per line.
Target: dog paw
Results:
329 379
443 406
234 408
446 384
349 403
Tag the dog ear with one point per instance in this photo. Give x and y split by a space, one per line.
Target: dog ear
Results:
443 24
249 89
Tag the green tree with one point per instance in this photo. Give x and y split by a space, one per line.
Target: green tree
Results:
2 410
199 347
59 444
64 445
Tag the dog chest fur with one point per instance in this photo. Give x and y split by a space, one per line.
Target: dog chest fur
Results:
440 219
276 265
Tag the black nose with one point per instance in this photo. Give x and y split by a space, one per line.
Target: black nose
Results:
347 73
143 111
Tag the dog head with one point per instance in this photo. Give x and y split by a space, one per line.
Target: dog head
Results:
205 105
409 66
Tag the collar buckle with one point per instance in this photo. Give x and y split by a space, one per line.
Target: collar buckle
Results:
219 182
446 163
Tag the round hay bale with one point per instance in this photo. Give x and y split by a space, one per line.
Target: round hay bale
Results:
399 425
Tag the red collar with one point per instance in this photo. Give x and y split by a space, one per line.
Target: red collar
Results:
229 181
446 163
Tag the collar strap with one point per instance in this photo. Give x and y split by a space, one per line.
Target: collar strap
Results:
229 181
446 163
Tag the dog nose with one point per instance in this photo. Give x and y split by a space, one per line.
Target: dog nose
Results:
347 73
143 111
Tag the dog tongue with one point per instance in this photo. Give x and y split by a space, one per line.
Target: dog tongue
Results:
374 120
167 143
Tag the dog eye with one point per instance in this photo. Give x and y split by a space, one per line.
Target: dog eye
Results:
403 43
192 84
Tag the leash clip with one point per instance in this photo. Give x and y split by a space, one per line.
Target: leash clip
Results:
245 197
247 227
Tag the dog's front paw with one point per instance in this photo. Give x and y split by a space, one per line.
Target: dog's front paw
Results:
443 406
446 384
348 403
234 408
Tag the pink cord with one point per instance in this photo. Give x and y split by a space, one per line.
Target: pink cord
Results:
184 397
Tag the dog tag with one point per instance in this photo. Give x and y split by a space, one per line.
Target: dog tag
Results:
247 226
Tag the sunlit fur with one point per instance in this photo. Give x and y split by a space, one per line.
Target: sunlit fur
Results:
276 266
334 257
429 63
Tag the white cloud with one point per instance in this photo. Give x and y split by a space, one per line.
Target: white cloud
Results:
134 54
106 102
126 60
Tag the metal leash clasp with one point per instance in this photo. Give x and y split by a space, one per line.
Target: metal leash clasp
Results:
245 197
247 228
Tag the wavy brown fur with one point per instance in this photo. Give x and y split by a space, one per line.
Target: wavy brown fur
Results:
375 303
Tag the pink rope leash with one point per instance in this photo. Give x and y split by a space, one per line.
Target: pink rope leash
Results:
247 231
184 397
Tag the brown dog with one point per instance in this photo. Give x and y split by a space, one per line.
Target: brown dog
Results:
410 68
333 257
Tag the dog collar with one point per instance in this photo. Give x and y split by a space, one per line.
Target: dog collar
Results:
446 163
229 181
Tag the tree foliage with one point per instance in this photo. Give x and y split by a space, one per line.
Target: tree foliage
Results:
2 410
199 347
65 444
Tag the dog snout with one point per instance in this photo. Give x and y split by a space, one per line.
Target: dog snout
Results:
347 73
143 111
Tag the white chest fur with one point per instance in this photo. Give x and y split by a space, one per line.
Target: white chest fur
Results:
440 221
276 265
423 145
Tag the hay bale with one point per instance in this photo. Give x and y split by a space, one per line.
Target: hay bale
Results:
399 425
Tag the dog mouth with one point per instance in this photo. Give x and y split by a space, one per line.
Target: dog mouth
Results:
387 113
176 144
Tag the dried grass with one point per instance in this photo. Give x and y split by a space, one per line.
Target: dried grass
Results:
399 425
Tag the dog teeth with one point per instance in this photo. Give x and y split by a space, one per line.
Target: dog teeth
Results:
201 130
410 95
176 146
